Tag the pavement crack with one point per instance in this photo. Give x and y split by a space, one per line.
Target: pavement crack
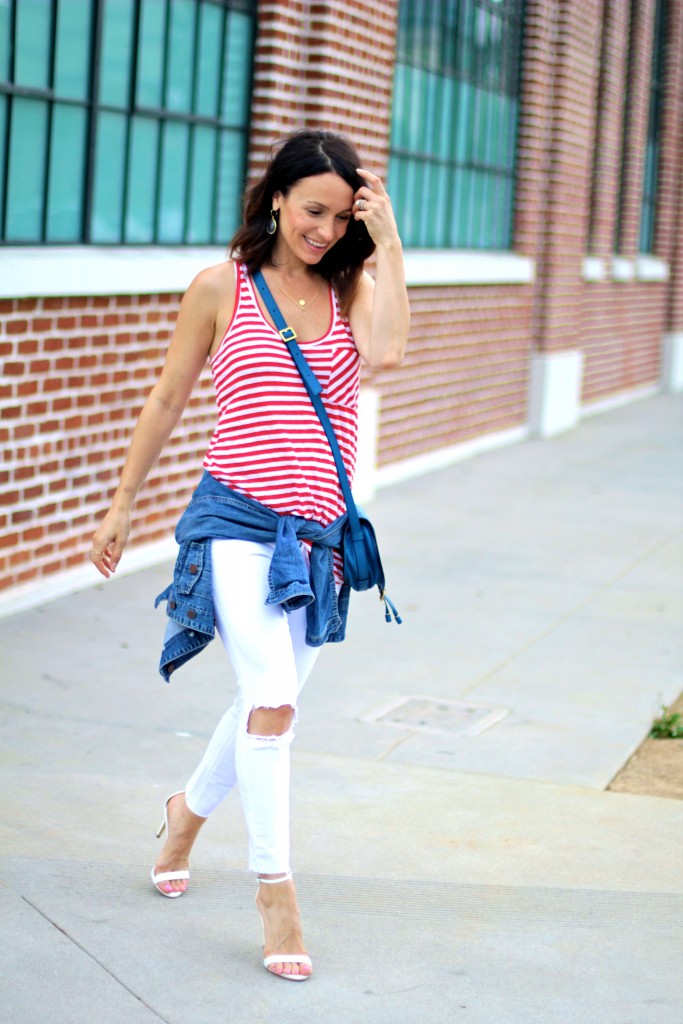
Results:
95 960
394 746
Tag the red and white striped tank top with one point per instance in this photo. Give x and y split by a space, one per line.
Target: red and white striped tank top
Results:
269 443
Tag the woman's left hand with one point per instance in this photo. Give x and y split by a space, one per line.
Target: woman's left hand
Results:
372 205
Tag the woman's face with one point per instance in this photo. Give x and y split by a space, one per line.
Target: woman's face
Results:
314 215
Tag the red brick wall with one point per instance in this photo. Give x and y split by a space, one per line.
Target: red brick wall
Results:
466 371
622 324
669 226
324 65
621 337
75 373
567 34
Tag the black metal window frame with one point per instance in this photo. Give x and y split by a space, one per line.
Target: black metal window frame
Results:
648 213
434 37
94 107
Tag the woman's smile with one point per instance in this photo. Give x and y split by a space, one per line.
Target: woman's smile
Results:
315 245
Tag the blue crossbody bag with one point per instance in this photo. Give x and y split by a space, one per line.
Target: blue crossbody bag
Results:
362 563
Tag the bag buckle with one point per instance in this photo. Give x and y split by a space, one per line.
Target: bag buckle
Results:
287 334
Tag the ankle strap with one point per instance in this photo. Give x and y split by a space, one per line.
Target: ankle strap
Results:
273 881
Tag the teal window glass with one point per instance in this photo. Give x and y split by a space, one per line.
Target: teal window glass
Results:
211 26
142 176
72 50
652 145
4 40
151 53
454 122
65 178
179 74
174 164
32 34
123 121
232 150
110 165
115 67
237 67
3 137
116 55
202 181
26 169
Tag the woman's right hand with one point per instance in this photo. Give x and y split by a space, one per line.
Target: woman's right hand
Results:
109 541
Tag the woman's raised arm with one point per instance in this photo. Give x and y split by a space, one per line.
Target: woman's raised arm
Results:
380 315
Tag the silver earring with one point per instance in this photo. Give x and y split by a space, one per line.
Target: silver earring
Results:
272 223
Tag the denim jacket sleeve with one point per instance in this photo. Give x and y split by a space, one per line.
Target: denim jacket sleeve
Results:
189 607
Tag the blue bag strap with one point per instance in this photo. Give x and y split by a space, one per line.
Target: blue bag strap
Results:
314 389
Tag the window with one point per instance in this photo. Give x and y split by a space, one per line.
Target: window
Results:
454 122
123 121
652 145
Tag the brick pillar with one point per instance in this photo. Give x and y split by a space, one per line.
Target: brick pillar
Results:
576 29
669 224
635 126
562 56
609 129
675 303
350 72
533 127
279 70
325 65
668 181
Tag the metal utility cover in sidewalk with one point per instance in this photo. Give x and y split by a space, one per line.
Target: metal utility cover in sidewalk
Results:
440 717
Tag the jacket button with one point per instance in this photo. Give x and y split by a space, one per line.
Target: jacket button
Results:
172 605
194 569
192 614
170 668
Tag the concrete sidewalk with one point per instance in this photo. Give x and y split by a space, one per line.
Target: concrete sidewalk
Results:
457 855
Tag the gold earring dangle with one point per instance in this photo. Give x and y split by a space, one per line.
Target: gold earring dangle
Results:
272 223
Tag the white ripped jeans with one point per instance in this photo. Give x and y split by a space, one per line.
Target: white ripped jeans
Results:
272 661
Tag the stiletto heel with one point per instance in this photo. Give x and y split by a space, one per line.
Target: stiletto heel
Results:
283 958
168 876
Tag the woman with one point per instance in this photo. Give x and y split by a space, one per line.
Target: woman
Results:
309 224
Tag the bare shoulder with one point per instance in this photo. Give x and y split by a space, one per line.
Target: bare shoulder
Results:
214 285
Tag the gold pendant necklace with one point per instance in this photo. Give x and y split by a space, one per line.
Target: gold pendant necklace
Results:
301 303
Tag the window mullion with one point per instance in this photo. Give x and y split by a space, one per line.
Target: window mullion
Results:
132 93
163 120
8 117
93 103
218 108
50 120
187 213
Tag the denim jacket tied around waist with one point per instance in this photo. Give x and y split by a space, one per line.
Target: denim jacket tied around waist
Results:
217 512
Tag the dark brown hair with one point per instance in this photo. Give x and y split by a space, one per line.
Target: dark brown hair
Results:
303 154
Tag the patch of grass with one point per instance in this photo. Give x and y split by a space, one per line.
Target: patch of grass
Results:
669 726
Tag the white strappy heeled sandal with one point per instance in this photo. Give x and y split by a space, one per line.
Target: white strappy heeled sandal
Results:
284 958
168 876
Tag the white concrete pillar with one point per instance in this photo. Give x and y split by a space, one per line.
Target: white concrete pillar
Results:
555 392
672 362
